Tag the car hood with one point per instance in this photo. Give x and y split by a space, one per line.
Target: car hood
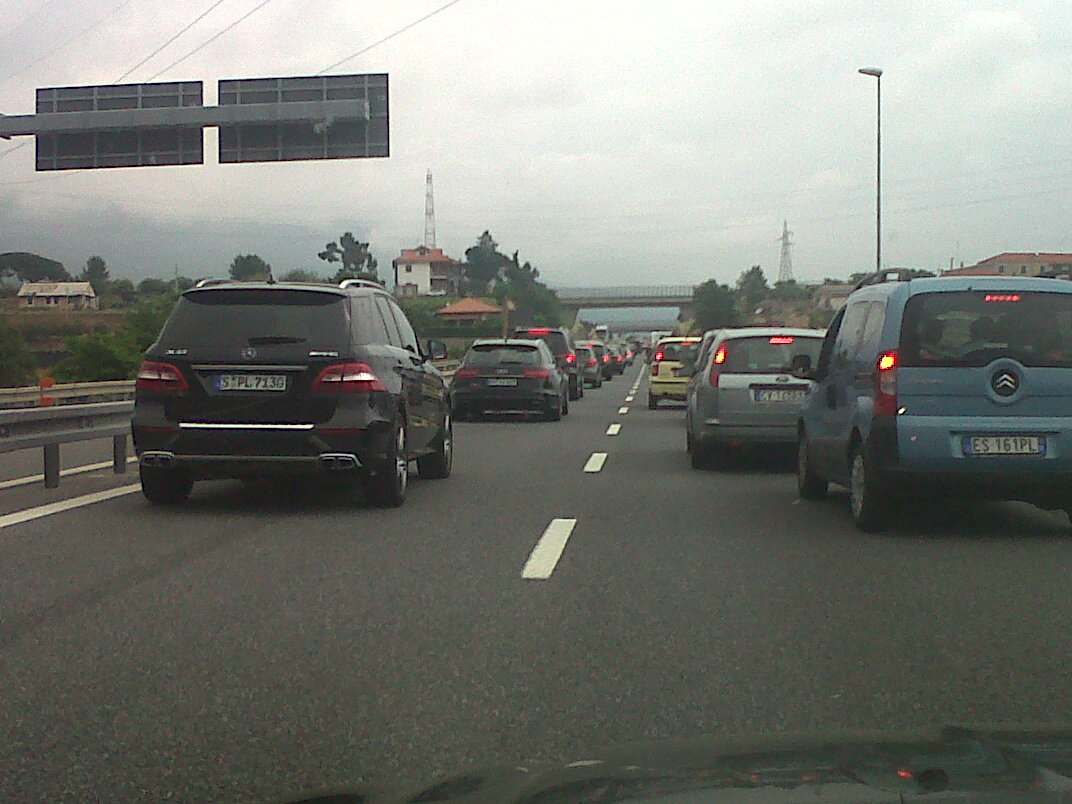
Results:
950 764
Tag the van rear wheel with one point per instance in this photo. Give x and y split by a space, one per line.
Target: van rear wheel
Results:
869 504
809 485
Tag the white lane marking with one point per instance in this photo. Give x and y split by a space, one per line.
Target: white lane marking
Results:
548 550
623 410
595 462
28 514
614 429
630 398
74 470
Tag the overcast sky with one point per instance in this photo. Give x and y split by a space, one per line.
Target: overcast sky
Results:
625 142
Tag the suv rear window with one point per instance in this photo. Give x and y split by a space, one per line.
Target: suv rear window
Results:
498 354
972 328
555 341
229 317
770 354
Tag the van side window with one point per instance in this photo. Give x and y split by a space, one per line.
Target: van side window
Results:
876 317
852 329
827 351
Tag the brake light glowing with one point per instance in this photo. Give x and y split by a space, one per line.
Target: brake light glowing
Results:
781 339
537 373
658 356
153 376
347 378
571 358
716 367
541 331
886 384
619 358
1002 297
466 373
720 355
905 774
606 358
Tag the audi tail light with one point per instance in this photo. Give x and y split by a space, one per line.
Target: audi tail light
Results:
466 373
347 378
154 376
538 373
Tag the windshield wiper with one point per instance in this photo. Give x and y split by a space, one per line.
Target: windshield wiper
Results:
274 340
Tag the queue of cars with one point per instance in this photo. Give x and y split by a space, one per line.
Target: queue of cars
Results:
921 388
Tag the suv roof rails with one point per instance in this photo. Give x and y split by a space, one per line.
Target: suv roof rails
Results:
891 275
208 282
361 283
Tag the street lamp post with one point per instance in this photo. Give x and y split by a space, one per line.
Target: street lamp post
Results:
877 73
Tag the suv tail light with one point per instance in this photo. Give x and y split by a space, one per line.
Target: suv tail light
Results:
466 373
571 358
347 378
716 366
153 376
659 356
886 384
537 373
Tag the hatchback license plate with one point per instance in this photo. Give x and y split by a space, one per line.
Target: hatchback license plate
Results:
981 446
779 395
503 381
251 382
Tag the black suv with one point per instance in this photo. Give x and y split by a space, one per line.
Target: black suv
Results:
560 342
251 379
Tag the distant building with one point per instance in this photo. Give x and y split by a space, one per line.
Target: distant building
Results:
469 311
1013 263
425 271
58 295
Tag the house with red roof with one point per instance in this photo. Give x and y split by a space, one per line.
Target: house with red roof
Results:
469 311
425 271
1017 263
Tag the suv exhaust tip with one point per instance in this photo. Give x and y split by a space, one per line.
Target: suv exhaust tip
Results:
339 461
157 458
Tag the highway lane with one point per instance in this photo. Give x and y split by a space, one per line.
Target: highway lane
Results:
248 645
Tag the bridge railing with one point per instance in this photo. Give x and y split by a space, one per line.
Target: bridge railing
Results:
626 292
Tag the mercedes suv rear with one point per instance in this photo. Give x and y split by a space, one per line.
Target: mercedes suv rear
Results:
255 379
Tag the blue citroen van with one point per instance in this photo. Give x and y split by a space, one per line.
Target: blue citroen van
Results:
942 386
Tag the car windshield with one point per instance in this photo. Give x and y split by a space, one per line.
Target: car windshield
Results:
767 354
495 355
974 328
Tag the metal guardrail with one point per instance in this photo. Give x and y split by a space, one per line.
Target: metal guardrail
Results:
48 427
32 395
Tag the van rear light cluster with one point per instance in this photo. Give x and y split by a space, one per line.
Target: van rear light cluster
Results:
347 378
154 376
886 384
716 367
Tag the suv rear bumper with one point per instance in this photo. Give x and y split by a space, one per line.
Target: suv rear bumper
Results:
506 400
752 434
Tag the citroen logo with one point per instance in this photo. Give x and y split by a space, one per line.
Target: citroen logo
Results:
1005 383
249 353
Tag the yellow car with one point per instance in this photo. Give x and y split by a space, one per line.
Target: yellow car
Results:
668 355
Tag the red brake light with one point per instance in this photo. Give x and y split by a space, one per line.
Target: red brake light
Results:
782 339
905 774
716 366
658 356
886 384
571 357
153 376
540 331
606 358
1002 297
538 373
466 373
347 378
592 362
620 358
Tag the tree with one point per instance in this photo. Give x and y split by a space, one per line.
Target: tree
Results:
249 267
155 287
789 290
96 273
16 363
302 275
120 293
357 262
715 305
752 287
484 263
33 268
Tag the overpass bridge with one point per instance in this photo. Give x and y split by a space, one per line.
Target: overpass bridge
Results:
626 296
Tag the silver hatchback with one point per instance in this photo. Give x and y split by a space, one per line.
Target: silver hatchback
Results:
743 390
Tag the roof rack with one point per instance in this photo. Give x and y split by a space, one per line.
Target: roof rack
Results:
891 275
361 283
210 281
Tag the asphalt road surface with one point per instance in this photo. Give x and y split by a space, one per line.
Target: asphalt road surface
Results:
254 644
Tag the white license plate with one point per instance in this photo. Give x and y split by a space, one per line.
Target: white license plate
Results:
981 446
779 395
251 382
502 381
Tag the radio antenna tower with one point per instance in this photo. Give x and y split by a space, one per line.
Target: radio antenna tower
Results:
785 265
429 212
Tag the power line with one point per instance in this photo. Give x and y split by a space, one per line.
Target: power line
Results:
388 37
211 39
184 29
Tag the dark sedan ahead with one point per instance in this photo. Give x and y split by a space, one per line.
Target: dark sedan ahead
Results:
512 375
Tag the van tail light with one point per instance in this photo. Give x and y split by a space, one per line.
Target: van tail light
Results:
154 376
571 358
716 366
466 373
886 384
659 356
537 373
347 378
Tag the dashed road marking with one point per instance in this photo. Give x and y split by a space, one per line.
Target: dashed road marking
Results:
29 514
630 398
614 429
74 470
595 462
622 411
548 550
